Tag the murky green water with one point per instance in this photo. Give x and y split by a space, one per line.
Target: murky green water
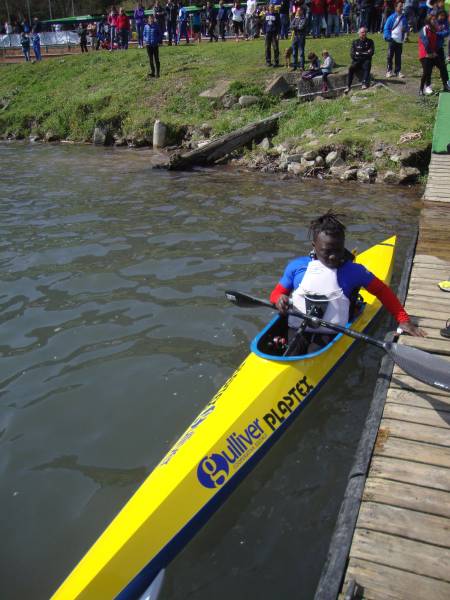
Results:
115 333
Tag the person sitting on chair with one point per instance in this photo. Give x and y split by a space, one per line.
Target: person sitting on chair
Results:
328 281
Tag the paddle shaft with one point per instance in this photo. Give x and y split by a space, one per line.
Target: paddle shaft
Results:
246 300
417 363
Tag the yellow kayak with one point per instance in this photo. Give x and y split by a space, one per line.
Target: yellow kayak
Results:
229 436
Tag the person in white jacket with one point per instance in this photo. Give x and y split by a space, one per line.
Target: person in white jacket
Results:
250 19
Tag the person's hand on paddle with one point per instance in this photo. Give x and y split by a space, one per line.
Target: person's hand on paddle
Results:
412 329
283 304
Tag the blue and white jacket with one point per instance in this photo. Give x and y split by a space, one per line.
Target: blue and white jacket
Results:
152 34
393 20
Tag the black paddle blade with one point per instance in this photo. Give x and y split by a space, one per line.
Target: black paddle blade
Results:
245 301
421 365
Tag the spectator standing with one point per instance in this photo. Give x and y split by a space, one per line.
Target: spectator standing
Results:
25 43
388 10
422 12
333 19
183 24
284 19
197 25
91 32
139 20
377 16
346 17
112 24
411 8
394 33
272 28
250 13
428 56
237 20
317 13
152 39
82 32
211 21
442 31
171 20
366 13
123 27
299 28
160 16
8 28
36 41
100 32
361 54
37 26
222 17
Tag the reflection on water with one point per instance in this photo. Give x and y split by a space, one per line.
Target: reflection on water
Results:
115 333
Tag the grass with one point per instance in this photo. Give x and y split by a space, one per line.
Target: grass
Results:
70 96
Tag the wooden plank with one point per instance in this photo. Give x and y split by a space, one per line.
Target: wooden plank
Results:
431 273
428 476
433 346
428 286
415 432
441 302
426 258
405 495
414 414
427 266
420 399
402 381
431 323
408 555
382 582
436 198
414 308
423 452
406 523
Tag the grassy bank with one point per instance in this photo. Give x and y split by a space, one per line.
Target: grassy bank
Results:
70 96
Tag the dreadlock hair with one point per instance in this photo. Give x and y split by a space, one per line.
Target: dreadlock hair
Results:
328 223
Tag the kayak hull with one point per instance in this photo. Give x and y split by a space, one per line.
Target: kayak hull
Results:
235 429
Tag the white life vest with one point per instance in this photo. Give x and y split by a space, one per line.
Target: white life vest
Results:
321 280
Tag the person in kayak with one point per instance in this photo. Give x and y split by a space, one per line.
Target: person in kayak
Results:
329 280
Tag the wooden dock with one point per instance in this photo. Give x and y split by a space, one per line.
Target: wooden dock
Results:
401 543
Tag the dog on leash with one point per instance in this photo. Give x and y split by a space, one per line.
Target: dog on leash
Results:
287 57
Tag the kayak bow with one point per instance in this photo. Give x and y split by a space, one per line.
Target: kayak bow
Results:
248 414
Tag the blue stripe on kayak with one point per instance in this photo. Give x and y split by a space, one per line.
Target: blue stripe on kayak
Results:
138 585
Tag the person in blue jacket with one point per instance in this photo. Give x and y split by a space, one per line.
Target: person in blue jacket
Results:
442 31
183 19
36 41
395 30
222 18
152 39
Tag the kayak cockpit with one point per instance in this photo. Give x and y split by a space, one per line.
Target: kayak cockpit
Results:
272 341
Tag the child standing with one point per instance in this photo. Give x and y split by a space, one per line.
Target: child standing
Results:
326 68
25 43
152 39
